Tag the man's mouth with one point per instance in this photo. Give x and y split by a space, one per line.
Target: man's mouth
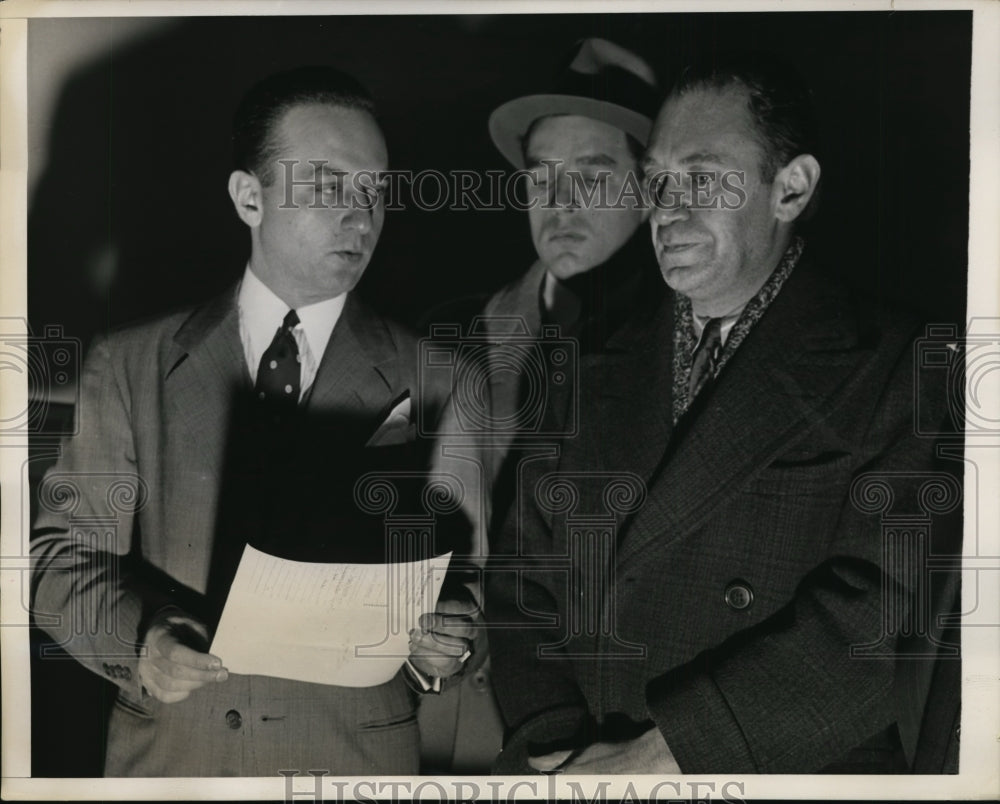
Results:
676 248
567 235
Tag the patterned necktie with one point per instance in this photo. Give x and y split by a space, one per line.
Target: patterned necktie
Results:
706 357
278 373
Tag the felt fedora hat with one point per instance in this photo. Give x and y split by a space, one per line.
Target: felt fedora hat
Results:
601 80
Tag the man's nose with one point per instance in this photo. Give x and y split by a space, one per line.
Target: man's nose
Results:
356 218
667 211
564 193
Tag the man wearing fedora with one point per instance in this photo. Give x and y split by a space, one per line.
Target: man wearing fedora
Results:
579 145
702 582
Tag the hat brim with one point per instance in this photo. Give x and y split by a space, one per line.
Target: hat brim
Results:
509 122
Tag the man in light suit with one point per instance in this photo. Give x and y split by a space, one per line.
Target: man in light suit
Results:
170 413
699 582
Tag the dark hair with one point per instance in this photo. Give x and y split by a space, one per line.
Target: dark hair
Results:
779 101
636 148
255 146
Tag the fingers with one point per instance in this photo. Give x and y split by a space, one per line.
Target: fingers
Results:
437 654
454 625
185 662
164 687
438 643
170 670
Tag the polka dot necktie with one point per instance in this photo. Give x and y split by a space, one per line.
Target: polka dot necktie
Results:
706 357
278 379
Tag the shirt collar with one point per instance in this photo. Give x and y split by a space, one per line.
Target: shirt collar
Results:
263 313
726 322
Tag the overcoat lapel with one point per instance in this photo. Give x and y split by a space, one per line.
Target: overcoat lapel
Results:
520 301
777 384
624 398
204 371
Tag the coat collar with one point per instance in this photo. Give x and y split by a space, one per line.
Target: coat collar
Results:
521 299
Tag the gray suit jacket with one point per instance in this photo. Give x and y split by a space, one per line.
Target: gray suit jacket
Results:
128 526
711 578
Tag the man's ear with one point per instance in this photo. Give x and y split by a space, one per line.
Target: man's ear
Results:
794 186
245 190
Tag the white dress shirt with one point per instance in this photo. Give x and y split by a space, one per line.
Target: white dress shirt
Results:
261 313
725 326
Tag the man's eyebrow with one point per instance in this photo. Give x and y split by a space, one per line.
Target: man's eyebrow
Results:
703 157
330 171
600 159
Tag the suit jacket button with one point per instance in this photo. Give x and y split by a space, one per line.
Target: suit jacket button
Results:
233 719
739 595
479 680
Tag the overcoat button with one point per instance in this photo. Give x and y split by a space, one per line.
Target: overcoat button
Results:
233 719
739 595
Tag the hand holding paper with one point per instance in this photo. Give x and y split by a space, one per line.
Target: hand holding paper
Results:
342 624
443 642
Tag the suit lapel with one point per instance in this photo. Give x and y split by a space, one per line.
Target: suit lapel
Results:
205 370
359 368
777 384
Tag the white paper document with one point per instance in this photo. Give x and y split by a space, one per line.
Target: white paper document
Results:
343 624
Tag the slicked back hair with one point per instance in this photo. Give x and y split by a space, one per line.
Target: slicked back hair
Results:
779 101
255 142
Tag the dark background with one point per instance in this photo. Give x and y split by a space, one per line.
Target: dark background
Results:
131 215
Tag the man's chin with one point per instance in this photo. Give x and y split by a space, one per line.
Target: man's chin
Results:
342 279
680 278
564 266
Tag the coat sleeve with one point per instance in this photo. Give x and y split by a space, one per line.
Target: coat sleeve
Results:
543 707
788 696
84 595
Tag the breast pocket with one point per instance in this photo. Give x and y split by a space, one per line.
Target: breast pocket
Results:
821 474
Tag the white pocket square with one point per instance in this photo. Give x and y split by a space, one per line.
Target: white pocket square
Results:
395 429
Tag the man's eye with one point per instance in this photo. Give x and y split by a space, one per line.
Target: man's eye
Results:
656 184
703 179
